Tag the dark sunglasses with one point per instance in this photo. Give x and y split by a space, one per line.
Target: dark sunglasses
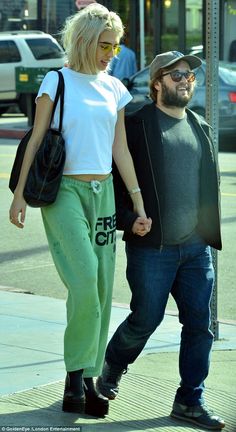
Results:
177 76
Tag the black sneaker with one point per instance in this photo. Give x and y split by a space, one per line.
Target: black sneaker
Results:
108 383
199 415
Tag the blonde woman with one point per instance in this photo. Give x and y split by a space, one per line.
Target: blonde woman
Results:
81 224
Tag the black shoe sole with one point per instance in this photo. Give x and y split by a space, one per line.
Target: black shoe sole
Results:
111 397
96 410
73 407
96 406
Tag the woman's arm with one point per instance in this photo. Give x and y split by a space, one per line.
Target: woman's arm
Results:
124 163
41 124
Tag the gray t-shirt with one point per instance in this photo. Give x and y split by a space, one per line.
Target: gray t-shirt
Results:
182 156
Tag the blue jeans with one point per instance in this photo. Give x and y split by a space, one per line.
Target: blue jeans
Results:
185 271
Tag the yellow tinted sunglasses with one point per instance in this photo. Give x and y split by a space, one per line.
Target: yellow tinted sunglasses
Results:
107 47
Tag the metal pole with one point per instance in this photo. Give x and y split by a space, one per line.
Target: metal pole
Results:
141 26
212 63
182 26
39 15
157 27
47 15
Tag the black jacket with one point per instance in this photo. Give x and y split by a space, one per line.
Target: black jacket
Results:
145 144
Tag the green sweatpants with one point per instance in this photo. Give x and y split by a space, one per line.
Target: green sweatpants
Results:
81 231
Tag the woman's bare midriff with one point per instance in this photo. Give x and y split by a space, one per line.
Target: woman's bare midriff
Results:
88 177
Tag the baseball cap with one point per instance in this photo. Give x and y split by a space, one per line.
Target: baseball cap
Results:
168 58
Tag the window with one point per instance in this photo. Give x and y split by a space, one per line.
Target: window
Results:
228 76
141 79
9 52
44 48
194 23
170 23
200 76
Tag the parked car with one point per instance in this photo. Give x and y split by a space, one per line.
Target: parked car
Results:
196 50
138 87
34 49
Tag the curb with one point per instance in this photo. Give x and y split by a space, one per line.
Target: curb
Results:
12 134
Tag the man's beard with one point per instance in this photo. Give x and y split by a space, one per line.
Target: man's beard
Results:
173 98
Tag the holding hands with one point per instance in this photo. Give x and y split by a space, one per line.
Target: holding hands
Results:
142 226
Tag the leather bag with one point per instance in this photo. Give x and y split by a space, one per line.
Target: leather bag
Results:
46 171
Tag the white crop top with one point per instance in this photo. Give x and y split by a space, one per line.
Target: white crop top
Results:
90 113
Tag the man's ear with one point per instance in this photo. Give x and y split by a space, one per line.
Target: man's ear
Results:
157 85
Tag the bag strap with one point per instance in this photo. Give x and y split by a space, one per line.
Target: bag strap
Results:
59 93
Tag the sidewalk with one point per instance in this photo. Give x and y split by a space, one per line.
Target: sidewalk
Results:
32 369
13 126
32 372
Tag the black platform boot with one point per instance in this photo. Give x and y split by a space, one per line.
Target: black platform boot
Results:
74 396
96 404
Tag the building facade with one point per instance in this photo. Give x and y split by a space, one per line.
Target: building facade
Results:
168 24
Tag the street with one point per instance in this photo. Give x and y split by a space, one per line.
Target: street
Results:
26 264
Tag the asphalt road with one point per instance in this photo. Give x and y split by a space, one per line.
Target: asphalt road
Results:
26 264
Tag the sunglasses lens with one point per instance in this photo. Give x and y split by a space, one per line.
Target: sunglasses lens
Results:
176 76
107 48
117 50
190 77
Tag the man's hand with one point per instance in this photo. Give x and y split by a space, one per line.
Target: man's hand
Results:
142 226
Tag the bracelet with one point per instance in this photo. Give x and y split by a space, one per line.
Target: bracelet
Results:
134 190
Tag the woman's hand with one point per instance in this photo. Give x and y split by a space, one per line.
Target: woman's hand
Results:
17 212
41 123
142 226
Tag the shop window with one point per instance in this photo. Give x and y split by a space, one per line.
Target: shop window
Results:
194 23
170 23
149 33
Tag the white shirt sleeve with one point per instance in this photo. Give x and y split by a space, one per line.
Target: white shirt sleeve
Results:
48 85
122 95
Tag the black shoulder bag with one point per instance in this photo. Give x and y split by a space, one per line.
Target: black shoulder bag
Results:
46 171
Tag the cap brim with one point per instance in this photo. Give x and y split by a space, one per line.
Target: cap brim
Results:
192 60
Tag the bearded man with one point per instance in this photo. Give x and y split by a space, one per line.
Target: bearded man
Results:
177 171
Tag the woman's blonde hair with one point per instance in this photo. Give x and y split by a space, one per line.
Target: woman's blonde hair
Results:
81 34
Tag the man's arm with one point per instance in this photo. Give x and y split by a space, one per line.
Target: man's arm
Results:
125 215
